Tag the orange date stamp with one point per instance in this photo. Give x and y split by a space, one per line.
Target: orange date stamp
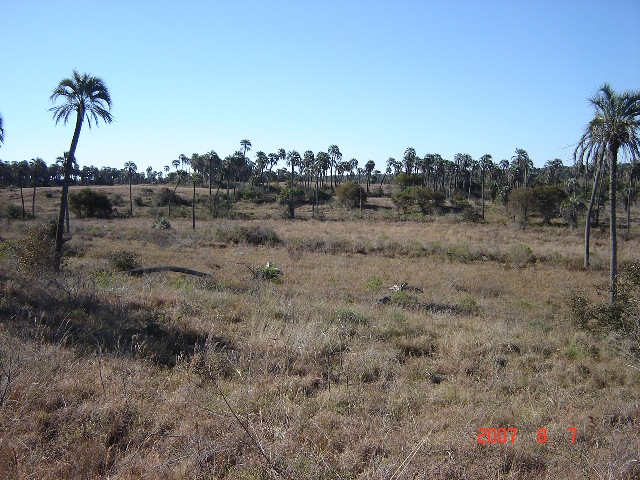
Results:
492 436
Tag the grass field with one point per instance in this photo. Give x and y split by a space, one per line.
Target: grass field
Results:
167 375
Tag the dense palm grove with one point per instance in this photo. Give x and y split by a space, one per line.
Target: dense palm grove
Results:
463 175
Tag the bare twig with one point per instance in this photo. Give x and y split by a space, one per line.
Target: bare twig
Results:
245 427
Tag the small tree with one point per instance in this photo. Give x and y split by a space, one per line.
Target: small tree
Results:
520 204
547 201
350 194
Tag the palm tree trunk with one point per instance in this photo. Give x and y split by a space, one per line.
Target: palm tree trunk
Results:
292 211
64 201
33 203
613 240
24 215
193 204
587 226
482 194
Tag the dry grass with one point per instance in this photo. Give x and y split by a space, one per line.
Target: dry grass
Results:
170 376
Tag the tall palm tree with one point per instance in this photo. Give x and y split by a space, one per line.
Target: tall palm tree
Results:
522 161
409 160
261 164
273 161
293 159
131 169
88 97
20 171
615 126
37 167
368 168
486 162
335 156
323 160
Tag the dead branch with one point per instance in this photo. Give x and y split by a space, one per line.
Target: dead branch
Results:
188 271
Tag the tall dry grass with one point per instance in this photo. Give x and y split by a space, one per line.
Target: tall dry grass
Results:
172 376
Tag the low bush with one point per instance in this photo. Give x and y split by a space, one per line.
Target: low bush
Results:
251 235
124 260
351 195
622 317
13 211
36 250
90 203
165 195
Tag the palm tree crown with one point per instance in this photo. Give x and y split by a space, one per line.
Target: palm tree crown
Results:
85 95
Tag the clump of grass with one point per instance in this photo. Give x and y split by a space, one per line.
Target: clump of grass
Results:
350 316
373 283
268 272
251 235
161 223
469 305
521 254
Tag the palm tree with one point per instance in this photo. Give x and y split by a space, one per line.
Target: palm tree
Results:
86 96
273 161
486 162
409 160
615 126
131 169
20 171
368 168
293 159
523 163
246 146
261 164
37 167
335 156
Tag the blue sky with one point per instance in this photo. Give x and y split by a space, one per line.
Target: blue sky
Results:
372 77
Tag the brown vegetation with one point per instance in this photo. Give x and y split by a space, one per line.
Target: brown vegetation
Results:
167 375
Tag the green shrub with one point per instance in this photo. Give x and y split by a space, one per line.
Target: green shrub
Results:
37 248
13 211
90 203
251 235
351 195
520 204
623 316
123 260
256 196
404 200
165 194
547 201
428 199
285 195
571 210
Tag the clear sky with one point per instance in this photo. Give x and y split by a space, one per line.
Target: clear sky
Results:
373 77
